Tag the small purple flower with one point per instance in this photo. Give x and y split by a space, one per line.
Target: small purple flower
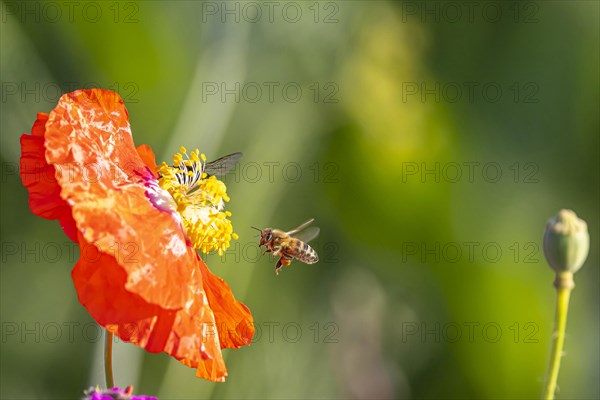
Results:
114 394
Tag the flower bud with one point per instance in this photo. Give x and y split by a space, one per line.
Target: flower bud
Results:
566 242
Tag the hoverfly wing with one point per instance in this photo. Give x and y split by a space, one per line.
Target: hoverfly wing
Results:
301 227
223 165
308 234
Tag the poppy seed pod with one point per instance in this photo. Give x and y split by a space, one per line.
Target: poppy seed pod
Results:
566 242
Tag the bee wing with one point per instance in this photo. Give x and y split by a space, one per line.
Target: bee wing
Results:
298 229
308 234
223 165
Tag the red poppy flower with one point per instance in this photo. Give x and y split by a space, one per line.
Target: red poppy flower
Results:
138 227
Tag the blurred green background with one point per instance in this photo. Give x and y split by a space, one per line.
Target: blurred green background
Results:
431 141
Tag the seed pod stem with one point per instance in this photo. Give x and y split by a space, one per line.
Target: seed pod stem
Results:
564 285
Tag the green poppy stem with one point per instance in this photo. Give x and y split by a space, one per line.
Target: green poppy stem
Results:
564 285
108 372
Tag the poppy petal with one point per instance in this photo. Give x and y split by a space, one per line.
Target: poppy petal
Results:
187 334
148 157
234 320
39 179
109 188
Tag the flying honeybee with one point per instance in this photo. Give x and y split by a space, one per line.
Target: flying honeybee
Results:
288 247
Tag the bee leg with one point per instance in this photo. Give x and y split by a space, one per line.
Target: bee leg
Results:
278 266
275 250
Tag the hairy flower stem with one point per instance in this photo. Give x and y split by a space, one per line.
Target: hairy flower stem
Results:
564 284
108 372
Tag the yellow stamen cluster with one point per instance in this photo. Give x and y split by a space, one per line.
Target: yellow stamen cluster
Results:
200 200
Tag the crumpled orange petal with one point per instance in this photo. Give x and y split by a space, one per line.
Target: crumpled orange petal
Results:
187 334
147 156
138 275
235 324
39 178
106 183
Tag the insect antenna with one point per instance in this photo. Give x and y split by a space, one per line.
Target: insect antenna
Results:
260 230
